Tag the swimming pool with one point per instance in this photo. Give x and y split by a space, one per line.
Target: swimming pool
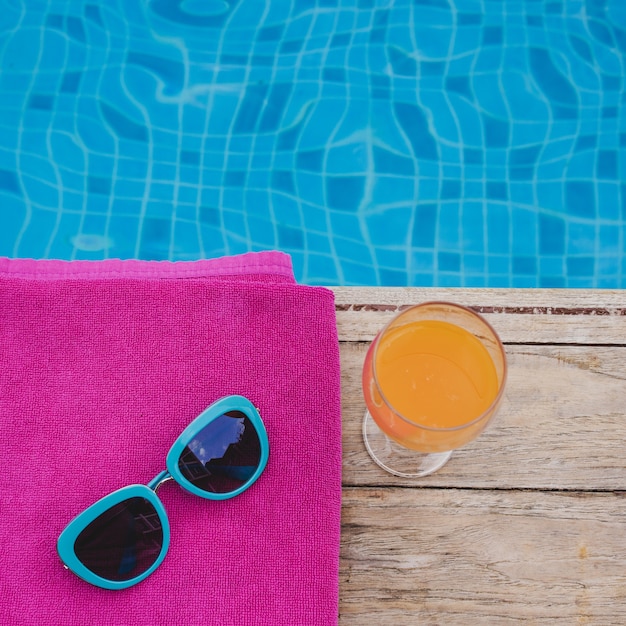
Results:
379 142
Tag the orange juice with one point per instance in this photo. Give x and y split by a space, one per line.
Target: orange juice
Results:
429 375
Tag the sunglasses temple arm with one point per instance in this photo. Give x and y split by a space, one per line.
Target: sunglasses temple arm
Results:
158 480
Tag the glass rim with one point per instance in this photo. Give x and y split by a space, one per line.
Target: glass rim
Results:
464 309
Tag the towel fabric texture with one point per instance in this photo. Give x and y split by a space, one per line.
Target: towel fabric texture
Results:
102 365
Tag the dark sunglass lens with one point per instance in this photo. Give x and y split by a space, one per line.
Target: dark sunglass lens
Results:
123 542
224 455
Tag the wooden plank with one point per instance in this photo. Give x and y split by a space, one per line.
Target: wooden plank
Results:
463 557
560 426
518 315
527 523
556 298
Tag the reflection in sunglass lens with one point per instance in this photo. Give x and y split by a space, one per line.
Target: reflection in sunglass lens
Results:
123 542
224 455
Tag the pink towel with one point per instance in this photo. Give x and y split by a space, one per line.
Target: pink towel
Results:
102 365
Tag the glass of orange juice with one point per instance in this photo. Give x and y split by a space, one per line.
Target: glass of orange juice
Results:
433 379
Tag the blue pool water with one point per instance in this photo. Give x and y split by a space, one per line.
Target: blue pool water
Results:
379 142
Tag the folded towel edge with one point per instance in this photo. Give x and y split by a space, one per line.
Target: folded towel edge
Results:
272 262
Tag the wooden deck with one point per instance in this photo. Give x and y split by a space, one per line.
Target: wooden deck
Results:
526 525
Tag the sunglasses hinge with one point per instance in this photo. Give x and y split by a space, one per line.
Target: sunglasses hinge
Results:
159 480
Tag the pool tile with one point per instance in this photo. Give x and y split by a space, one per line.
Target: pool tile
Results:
353 273
498 229
322 269
551 235
581 238
498 159
474 264
580 266
383 225
9 183
449 262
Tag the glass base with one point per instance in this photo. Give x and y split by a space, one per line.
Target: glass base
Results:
396 459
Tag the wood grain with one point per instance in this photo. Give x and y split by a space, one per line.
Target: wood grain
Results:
525 525
450 556
519 316
561 425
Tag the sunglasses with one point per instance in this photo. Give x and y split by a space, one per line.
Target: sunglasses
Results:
121 539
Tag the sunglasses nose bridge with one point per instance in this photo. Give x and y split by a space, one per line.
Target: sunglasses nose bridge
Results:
159 480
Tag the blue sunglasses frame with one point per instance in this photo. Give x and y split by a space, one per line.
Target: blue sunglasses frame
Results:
67 539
